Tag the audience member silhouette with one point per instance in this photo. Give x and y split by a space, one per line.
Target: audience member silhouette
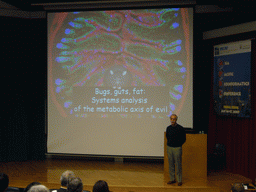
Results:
38 188
237 187
4 182
31 185
75 185
64 179
100 186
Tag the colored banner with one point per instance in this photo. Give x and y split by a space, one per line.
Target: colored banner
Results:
232 79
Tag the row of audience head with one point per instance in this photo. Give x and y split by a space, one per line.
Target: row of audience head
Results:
69 183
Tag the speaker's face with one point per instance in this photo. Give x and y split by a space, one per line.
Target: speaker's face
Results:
173 119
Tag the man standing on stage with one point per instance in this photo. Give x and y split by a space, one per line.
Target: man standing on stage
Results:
176 137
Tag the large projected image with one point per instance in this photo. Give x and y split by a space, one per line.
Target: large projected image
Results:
118 67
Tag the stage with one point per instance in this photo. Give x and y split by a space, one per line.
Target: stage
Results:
126 176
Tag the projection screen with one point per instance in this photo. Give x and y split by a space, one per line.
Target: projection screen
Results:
115 77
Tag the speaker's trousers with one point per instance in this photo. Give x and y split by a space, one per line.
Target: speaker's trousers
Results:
175 158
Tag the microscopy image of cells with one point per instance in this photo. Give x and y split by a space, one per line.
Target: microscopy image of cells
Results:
120 48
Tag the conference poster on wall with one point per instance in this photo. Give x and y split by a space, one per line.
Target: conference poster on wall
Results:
232 79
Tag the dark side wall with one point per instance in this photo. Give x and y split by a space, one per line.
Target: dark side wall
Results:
23 61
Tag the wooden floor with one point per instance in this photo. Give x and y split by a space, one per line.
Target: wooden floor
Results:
127 176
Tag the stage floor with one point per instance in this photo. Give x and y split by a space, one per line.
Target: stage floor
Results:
127 176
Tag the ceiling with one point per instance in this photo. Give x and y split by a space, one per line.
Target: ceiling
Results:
213 15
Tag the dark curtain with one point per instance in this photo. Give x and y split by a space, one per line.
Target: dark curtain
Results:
23 65
17 134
